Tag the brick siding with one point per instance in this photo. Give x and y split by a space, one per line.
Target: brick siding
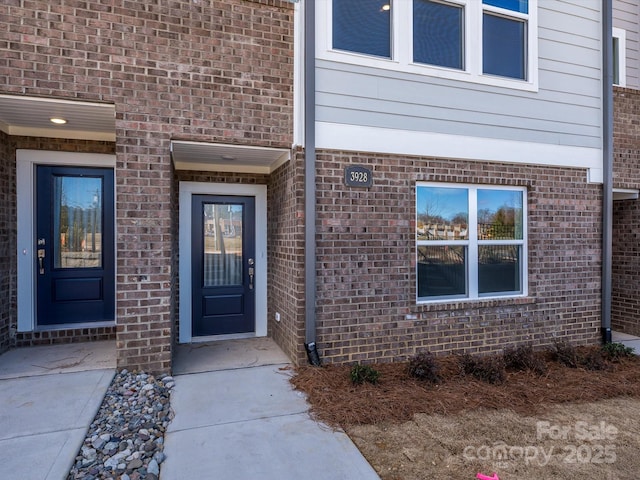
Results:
625 304
366 262
210 71
626 140
285 245
8 220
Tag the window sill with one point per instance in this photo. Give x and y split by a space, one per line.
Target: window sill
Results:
430 70
419 309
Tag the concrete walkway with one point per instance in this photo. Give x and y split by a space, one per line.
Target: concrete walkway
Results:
627 340
48 398
236 414
248 422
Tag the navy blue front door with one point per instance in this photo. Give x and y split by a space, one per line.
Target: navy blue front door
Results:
223 265
74 245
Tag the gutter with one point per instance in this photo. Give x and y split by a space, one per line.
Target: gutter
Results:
310 181
607 161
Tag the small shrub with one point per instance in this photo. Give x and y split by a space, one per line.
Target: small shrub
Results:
572 357
566 354
488 369
522 358
424 367
364 373
593 359
615 351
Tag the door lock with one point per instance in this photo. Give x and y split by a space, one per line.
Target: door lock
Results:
252 271
41 260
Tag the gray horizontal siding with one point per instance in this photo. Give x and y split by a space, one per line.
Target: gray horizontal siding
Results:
565 110
626 15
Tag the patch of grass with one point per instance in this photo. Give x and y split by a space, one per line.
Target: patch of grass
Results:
424 367
523 358
364 373
489 369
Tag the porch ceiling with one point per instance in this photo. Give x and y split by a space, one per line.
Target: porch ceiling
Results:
218 157
30 116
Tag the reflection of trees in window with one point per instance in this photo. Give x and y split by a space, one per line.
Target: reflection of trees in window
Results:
432 224
498 225
78 222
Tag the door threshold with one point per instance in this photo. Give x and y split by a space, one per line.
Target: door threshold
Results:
217 338
74 326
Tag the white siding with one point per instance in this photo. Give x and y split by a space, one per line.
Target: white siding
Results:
626 15
565 111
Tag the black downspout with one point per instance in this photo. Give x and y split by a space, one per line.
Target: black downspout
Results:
607 153
310 181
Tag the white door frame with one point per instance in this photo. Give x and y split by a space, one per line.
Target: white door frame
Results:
187 190
26 162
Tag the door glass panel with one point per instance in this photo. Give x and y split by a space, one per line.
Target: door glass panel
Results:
222 245
77 222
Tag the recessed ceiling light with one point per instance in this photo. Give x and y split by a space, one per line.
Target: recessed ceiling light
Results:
386 7
58 120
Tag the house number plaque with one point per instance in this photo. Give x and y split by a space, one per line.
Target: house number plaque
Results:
358 176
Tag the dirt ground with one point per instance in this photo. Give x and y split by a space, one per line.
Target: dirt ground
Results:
569 423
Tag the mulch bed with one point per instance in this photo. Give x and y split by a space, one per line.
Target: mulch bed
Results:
397 397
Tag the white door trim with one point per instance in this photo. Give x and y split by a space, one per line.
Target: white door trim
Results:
26 162
187 190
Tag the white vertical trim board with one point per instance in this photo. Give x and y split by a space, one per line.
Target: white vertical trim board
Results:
298 74
187 190
621 36
26 162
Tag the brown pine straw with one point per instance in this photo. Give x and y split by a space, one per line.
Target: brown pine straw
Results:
396 397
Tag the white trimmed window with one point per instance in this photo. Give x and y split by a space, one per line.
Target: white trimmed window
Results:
619 57
470 241
485 41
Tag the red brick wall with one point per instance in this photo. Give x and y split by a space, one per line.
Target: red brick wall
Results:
212 71
366 260
286 257
626 140
625 304
7 241
625 280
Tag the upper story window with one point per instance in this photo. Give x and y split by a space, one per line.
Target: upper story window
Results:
438 34
504 38
484 41
362 27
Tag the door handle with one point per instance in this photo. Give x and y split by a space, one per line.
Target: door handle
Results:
41 260
251 262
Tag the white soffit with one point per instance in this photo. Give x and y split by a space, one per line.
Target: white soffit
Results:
219 157
30 117
625 194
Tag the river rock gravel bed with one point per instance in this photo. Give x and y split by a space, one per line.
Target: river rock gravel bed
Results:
125 441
